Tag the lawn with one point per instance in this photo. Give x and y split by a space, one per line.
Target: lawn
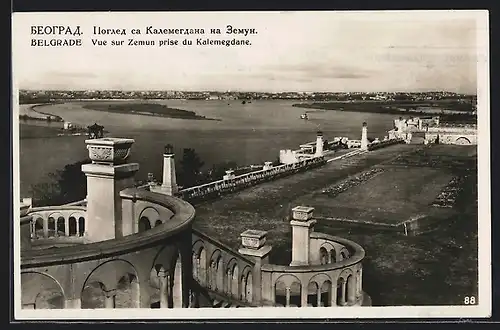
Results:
435 268
390 197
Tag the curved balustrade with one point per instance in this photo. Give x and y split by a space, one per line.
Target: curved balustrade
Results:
57 222
83 202
143 210
249 179
115 267
334 283
221 269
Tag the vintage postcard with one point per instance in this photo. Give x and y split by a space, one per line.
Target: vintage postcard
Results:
264 165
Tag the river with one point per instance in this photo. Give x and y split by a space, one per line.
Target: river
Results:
247 134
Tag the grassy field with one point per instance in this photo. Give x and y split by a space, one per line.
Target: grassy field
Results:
438 267
267 206
391 197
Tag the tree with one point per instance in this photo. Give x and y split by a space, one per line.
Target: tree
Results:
68 185
326 145
190 171
217 171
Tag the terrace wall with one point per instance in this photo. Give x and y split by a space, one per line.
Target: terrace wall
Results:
220 187
333 279
383 144
157 259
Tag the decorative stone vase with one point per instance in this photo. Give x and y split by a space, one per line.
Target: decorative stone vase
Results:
110 151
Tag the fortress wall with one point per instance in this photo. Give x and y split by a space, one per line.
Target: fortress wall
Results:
452 138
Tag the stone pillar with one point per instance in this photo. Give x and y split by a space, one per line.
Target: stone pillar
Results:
109 301
287 296
212 275
318 296
229 282
319 144
129 225
364 137
45 227
135 287
163 288
107 175
302 225
177 287
333 294
342 297
75 303
351 292
199 274
359 282
254 246
169 184
304 293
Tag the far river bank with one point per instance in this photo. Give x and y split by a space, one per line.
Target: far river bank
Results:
449 111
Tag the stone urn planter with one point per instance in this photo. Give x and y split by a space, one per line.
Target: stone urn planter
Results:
112 151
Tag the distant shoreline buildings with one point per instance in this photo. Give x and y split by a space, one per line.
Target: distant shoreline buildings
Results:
27 96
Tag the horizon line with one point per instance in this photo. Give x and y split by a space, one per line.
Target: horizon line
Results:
237 91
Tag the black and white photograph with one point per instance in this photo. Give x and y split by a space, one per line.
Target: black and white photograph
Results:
251 165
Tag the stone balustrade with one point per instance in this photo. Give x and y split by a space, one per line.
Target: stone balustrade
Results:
384 143
333 278
143 210
248 179
139 261
63 222
82 202
220 268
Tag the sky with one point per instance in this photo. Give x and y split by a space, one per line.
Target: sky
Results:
292 51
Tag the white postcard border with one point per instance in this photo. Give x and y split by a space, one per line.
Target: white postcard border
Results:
483 309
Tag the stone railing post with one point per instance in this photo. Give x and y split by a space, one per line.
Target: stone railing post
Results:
302 226
254 245
107 175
